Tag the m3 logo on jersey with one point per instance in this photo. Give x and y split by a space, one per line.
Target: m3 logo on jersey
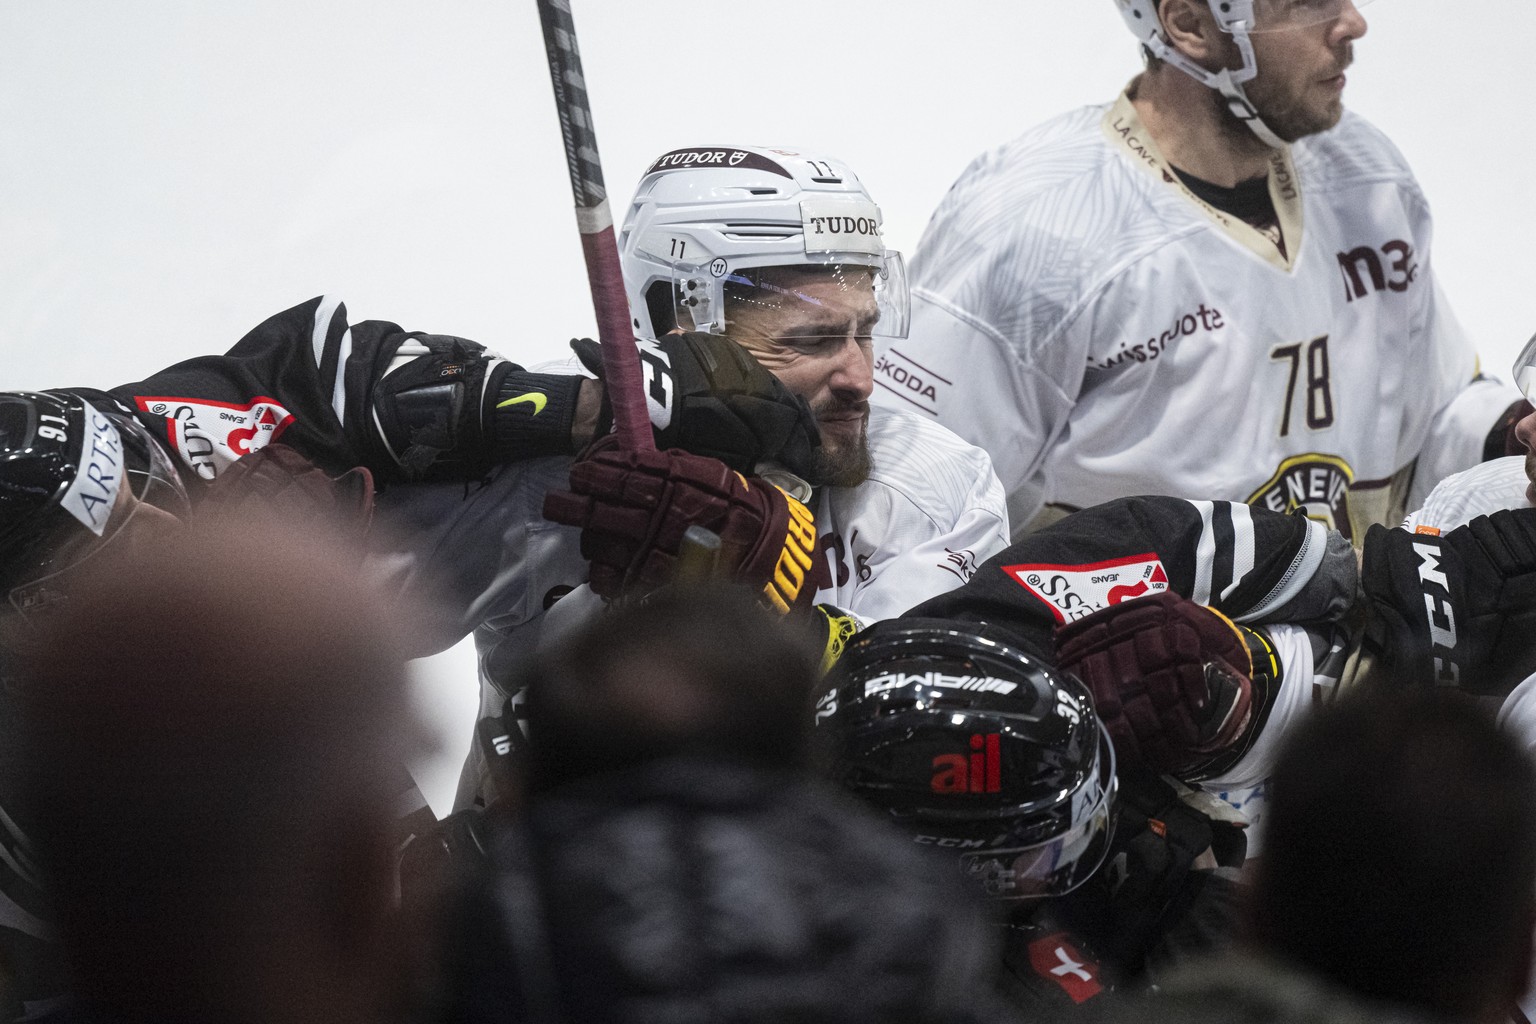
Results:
1364 272
1318 485
978 772
209 435
1072 592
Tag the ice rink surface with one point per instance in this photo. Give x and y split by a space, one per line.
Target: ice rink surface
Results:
171 173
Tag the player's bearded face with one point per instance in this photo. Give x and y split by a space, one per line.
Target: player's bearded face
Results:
811 329
1299 88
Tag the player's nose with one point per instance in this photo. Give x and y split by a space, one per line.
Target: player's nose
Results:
854 374
1525 431
1351 24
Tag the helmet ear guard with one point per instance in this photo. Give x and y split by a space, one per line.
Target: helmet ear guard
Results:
972 745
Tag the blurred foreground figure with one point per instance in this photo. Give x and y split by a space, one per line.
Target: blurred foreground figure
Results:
674 863
1398 880
212 726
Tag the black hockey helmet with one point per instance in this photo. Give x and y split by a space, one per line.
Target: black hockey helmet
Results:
67 470
973 745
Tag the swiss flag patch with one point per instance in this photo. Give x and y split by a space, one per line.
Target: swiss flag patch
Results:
1057 960
1072 592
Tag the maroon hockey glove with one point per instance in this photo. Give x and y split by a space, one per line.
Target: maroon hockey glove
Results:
278 481
1170 679
633 508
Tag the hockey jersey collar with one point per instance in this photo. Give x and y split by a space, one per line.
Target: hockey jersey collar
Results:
1127 135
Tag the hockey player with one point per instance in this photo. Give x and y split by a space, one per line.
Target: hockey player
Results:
314 412
1223 616
780 251
985 754
1221 284
1205 692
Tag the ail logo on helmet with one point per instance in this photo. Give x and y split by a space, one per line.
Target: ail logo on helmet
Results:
1073 592
977 772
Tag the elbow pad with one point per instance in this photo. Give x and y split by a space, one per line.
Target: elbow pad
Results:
446 408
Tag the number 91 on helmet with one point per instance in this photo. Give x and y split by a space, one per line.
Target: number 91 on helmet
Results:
974 746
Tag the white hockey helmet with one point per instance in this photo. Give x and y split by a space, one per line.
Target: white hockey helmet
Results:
1241 19
705 218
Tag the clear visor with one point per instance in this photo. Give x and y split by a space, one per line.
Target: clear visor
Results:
1060 864
1525 371
1284 15
826 296
154 493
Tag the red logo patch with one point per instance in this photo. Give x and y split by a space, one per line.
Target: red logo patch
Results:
1056 959
209 436
981 772
1072 592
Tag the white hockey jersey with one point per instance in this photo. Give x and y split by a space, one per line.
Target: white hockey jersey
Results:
931 512
1103 332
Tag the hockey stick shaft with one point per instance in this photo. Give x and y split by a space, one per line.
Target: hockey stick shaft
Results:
621 361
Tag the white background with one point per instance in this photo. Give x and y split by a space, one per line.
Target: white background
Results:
174 171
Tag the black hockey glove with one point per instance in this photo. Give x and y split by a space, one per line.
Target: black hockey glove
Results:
707 395
1457 609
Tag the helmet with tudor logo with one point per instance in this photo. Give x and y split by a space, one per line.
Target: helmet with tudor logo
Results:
972 745
72 477
709 226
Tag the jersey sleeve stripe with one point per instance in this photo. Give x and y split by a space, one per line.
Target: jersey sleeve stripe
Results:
1242 547
1205 551
339 394
320 337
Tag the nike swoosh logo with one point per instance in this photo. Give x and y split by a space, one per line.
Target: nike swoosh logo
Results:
537 399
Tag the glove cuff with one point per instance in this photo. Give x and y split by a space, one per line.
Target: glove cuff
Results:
531 414
1265 676
790 542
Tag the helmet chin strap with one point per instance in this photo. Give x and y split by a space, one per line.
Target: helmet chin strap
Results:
1227 82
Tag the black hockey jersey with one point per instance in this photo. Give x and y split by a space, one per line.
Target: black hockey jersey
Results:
310 379
1253 565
